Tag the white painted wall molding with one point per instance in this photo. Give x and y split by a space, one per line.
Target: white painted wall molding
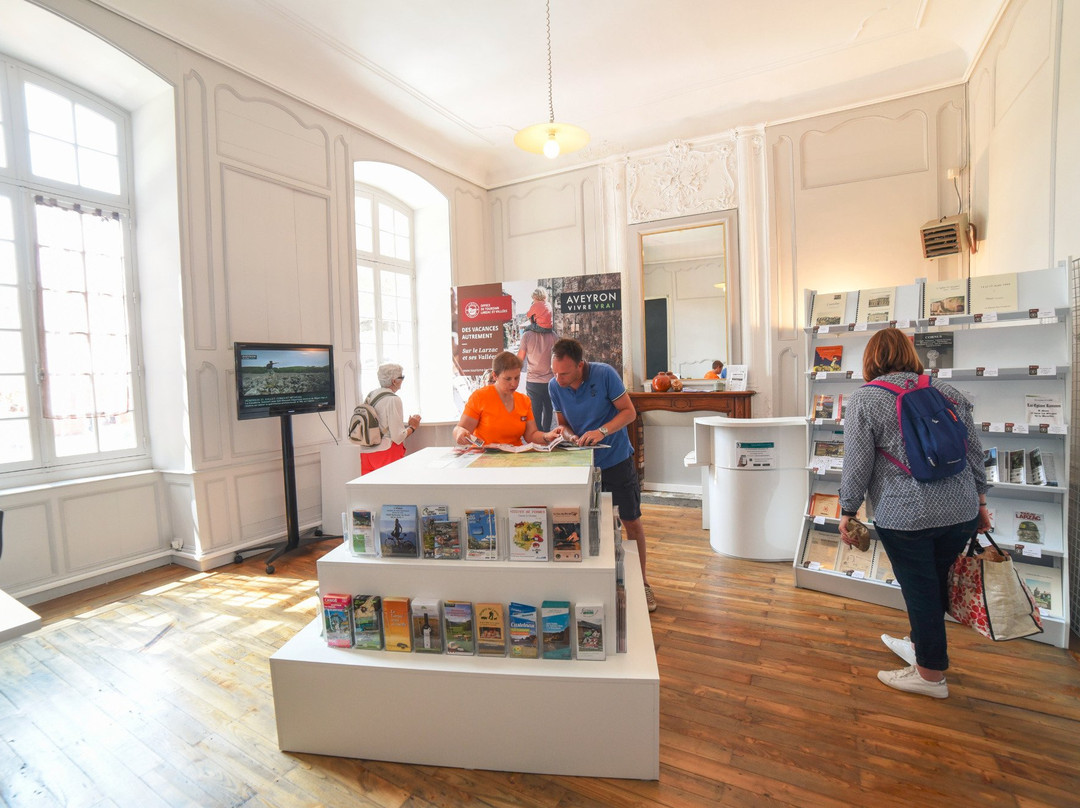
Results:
687 179
195 171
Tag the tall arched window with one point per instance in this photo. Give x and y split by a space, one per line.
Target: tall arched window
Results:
69 391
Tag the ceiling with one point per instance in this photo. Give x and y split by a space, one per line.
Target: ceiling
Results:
452 81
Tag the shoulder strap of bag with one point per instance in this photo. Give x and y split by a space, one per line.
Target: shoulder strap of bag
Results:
373 399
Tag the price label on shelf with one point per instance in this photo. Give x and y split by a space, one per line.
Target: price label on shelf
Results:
1056 429
903 324
814 565
997 426
859 327
821 375
823 329
990 372
989 317
819 520
819 421
858 574
1044 612
1048 314
1050 371
944 373
1020 429
1030 550
941 321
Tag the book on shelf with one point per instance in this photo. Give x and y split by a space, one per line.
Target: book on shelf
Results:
1045 586
555 619
828 308
991 463
490 629
460 627
855 562
429 515
827 358
481 536
993 293
528 533
945 298
821 549
828 455
589 633
523 637
827 505
427 635
826 405
397 630
337 620
566 533
1029 526
361 533
935 349
398 531
367 622
881 569
1042 468
1044 409
876 305
1016 466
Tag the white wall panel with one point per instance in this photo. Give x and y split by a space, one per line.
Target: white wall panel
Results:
110 525
29 555
865 148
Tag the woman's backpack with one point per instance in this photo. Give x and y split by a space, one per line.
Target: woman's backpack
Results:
364 426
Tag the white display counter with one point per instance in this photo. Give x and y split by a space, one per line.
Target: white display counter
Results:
565 717
756 484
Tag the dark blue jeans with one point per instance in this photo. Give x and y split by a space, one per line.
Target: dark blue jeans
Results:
541 404
921 560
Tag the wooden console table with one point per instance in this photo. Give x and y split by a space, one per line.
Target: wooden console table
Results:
733 405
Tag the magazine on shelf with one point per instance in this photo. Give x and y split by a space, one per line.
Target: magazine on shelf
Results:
882 570
490 629
826 405
821 549
1016 466
528 533
828 308
855 562
1045 409
876 305
337 620
1029 527
481 535
945 298
397 632
460 629
361 533
828 455
426 626
993 293
398 531
523 637
589 634
935 350
555 619
1045 586
448 540
991 463
827 358
367 622
566 533
827 505
429 515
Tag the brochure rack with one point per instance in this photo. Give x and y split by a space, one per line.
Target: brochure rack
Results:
998 359
571 717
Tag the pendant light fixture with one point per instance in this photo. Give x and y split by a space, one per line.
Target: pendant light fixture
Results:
551 139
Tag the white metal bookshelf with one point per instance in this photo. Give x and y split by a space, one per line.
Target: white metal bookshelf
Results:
998 358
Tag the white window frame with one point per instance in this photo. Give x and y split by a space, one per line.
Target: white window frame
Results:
23 187
410 393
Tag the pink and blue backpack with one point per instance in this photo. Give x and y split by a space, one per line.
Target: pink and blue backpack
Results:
935 439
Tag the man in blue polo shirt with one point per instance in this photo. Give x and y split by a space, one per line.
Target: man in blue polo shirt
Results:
592 407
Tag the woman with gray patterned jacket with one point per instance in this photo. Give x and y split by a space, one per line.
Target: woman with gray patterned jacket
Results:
923 526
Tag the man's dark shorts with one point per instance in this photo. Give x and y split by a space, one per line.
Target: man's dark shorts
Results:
622 481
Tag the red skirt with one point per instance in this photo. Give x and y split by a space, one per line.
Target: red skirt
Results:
369 461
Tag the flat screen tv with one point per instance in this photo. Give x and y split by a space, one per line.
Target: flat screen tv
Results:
274 379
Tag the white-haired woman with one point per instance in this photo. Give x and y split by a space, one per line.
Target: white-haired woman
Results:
539 316
391 419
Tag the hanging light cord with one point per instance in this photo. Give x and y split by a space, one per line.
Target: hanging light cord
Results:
551 103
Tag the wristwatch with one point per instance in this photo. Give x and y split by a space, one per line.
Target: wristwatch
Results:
602 430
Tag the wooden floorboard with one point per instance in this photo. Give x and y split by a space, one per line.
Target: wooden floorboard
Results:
154 690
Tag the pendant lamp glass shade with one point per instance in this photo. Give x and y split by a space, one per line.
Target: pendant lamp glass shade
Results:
551 139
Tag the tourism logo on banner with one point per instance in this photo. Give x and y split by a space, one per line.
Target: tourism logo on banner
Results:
577 302
480 332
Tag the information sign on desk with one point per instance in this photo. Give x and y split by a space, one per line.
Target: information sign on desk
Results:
731 404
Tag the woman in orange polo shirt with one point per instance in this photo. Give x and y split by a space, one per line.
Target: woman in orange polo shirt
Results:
497 413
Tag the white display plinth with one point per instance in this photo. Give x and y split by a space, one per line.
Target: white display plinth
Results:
566 717
16 619
757 484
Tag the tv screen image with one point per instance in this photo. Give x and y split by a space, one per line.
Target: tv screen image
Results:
277 378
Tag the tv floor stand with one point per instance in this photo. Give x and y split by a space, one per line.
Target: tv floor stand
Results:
294 540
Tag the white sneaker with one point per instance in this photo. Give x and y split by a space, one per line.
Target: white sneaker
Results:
910 681
904 648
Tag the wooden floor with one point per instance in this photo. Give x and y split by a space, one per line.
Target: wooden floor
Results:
155 691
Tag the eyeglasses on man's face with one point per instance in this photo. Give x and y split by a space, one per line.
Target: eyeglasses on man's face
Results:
399 379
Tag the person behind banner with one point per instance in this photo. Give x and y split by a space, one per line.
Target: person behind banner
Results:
539 317
497 413
535 349
391 420
593 407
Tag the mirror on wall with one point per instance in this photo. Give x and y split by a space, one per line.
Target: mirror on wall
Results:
687 286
